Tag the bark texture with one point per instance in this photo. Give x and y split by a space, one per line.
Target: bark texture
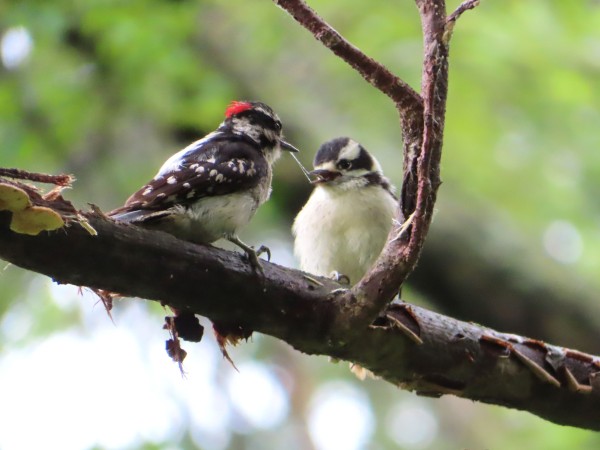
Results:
408 346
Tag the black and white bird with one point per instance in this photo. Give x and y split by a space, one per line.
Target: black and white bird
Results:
344 225
213 187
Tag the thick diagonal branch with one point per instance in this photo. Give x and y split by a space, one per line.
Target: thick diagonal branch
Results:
407 346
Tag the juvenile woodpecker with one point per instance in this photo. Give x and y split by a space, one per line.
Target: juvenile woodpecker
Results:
213 187
343 226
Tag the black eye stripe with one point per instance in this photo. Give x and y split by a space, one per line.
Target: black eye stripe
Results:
331 151
363 161
261 119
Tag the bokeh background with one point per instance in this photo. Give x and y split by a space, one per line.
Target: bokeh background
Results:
107 90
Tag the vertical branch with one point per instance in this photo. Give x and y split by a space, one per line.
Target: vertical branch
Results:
434 86
423 145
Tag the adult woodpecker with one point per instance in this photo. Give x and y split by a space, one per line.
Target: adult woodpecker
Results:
213 187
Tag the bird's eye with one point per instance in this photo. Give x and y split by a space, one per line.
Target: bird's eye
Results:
344 164
278 125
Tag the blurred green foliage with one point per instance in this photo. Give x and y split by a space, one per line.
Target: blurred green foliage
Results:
111 88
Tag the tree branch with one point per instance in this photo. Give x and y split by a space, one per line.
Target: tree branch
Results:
454 358
59 180
462 8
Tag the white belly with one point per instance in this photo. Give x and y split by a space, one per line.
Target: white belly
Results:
211 218
343 231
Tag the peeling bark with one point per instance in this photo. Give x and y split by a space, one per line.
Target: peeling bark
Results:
408 346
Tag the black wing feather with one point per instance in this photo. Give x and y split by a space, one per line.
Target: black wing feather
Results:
220 167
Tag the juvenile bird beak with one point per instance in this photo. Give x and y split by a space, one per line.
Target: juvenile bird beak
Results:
323 175
287 146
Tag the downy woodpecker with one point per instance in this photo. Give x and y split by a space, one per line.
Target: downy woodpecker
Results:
213 187
343 226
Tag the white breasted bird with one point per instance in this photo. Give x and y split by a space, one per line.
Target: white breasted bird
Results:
213 187
344 225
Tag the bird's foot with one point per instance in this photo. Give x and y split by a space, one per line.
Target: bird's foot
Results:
253 259
263 249
252 254
339 277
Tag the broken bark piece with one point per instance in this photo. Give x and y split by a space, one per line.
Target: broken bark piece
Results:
35 219
13 198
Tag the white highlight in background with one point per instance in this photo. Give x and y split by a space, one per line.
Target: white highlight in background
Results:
340 417
412 425
15 47
257 396
80 393
563 242
103 384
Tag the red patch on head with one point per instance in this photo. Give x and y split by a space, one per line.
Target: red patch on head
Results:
236 108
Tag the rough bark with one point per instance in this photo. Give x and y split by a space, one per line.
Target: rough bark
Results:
408 346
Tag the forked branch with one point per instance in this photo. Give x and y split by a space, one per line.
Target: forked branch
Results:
422 122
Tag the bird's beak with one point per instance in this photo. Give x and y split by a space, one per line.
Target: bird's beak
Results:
287 146
323 175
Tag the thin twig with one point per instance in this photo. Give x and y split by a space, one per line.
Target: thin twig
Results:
60 180
464 6
452 18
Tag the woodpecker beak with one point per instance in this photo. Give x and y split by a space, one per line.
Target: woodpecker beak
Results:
323 175
287 146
